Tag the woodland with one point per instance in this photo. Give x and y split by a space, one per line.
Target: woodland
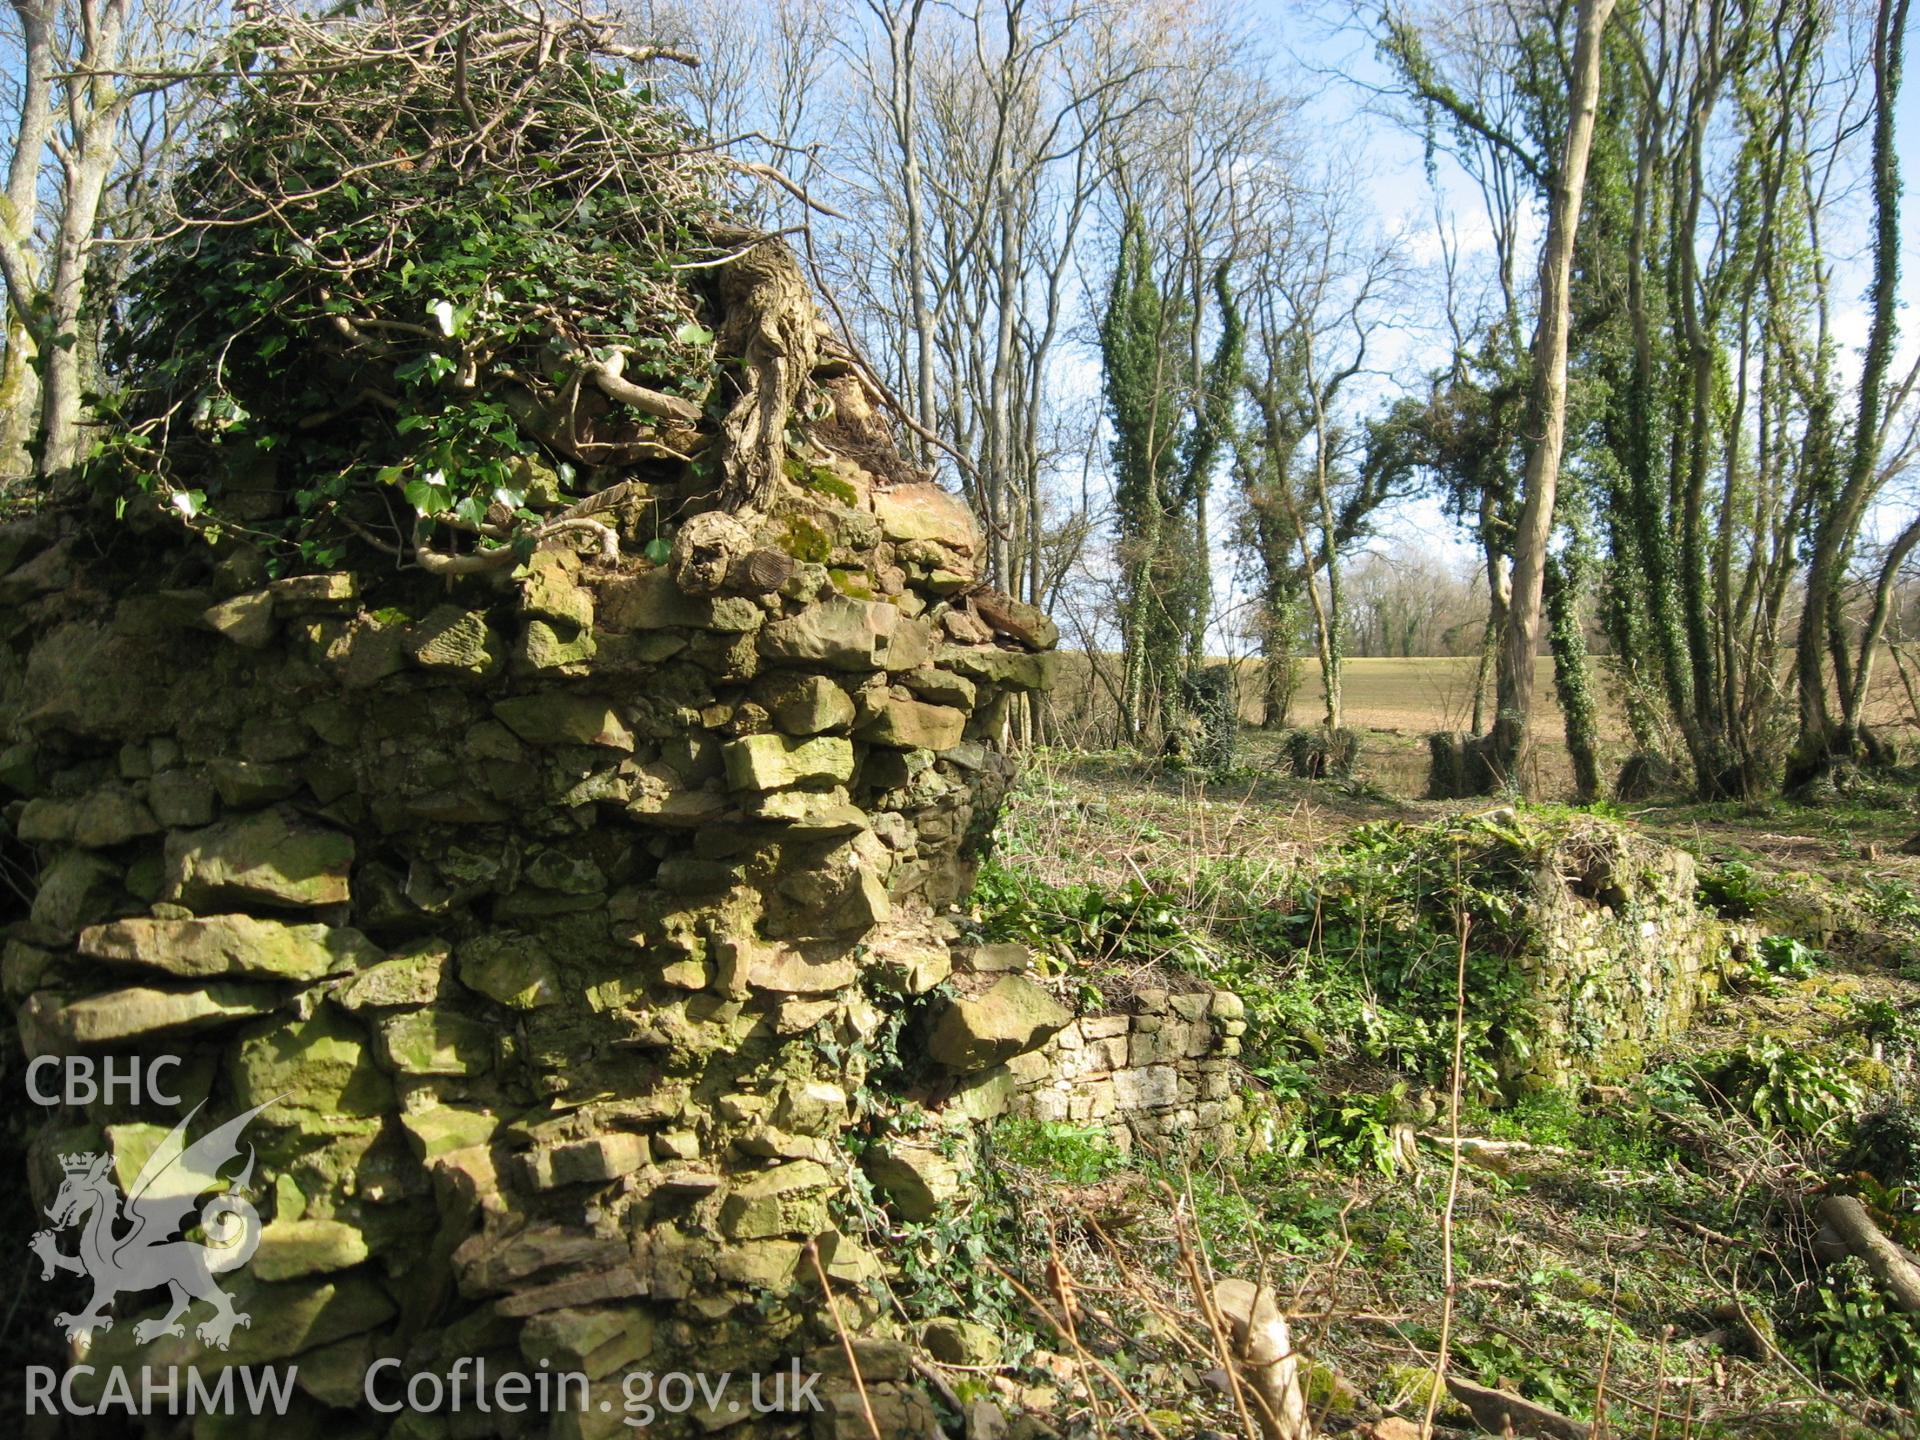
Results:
1464 454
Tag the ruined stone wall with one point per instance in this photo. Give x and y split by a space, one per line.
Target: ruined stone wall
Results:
1621 958
551 922
1164 1074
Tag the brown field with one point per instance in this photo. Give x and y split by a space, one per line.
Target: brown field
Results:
1397 703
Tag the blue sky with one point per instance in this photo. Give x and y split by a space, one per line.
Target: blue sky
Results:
1391 166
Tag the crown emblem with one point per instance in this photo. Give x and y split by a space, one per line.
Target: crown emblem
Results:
77 1163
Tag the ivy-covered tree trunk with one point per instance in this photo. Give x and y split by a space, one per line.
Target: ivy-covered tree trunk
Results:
1279 650
1572 674
1499 593
1167 439
1825 738
1131 355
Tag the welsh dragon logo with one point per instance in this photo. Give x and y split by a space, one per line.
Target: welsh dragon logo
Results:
126 1250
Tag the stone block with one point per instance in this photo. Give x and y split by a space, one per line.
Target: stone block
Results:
811 705
247 620
997 958
841 634
550 590
445 1128
1011 1018
942 687
289 1249
650 600
555 718
776 762
592 1161
1148 1088
917 1180
961 1342
179 799
513 969
435 1042
789 1199
309 594
216 945
245 784
51 1025
319 1065
456 642
914 725
925 512
273 857
594 1341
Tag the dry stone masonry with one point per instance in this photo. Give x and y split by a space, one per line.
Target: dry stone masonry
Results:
1589 948
1623 958
556 920
1162 1076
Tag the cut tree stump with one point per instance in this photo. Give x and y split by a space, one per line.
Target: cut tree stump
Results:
1263 1349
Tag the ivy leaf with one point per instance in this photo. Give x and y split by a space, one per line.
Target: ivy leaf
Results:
427 497
189 502
430 366
443 315
693 333
657 551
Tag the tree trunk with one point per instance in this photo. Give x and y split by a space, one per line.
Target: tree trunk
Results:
1821 741
97 104
63 407
1499 593
1279 639
19 382
19 401
902 39
1572 675
1509 740
770 323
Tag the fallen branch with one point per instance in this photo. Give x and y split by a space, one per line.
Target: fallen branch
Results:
1475 1148
1850 1223
1501 1412
1499 1156
1694 1227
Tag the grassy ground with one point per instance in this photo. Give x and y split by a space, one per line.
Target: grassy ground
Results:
1646 1259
